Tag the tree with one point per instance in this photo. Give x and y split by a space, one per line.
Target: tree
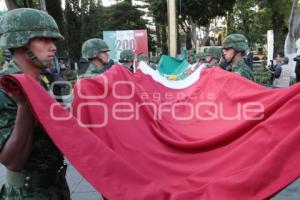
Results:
131 17
54 9
278 11
247 18
158 10
12 4
194 15
73 28
191 19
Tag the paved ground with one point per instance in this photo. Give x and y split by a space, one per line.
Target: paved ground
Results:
81 190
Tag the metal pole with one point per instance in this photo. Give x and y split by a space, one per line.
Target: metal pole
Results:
172 28
43 5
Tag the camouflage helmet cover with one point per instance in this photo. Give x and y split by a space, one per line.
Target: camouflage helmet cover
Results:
200 55
92 47
143 57
127 55
154 59
214 52
191 52
20 25
236 41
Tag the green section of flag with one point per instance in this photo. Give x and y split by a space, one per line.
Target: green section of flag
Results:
172 66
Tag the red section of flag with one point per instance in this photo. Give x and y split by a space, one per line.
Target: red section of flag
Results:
141 41
242 142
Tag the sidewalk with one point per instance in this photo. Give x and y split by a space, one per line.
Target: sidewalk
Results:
82 190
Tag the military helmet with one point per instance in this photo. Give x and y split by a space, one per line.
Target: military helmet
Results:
191 52
200 55
127 55
92 47
143 57
214 52
154 59
20 25
236 41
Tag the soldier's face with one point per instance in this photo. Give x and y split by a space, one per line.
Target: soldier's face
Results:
104 56
228 54
208 59
43 48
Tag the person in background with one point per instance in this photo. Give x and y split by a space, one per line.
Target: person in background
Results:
95 51
143 57
282 74
127 59
212 56
297 68
200 58
191 56
153 62
234 49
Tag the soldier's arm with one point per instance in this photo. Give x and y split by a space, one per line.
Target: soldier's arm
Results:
18 146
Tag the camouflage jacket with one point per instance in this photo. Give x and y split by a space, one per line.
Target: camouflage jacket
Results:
241 68
45 157
93 70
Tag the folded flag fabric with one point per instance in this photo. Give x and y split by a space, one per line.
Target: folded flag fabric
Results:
139 137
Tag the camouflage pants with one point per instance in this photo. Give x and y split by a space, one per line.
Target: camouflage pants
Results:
55 192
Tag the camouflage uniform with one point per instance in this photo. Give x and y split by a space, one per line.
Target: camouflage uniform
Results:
143 57
43 175
239 43
241 68
153 62
191 56
91 49
93 70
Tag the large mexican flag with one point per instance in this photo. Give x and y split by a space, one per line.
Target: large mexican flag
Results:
213 135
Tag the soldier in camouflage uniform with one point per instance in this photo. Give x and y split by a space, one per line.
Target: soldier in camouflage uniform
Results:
191 56
95 50
212 56
127 59
153 62
200 58
234 48
35 167
143 57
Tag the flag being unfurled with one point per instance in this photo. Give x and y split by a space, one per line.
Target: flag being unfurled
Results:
213 135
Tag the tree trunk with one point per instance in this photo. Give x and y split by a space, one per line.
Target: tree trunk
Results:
11 4
55 10
280 32
189 39
43 5
194 35
164 38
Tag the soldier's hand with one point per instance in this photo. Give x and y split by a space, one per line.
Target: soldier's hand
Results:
20 99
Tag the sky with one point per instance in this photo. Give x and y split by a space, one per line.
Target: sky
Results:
105 3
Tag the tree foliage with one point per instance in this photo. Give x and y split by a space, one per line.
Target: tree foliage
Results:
12 4
55 10
254 17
